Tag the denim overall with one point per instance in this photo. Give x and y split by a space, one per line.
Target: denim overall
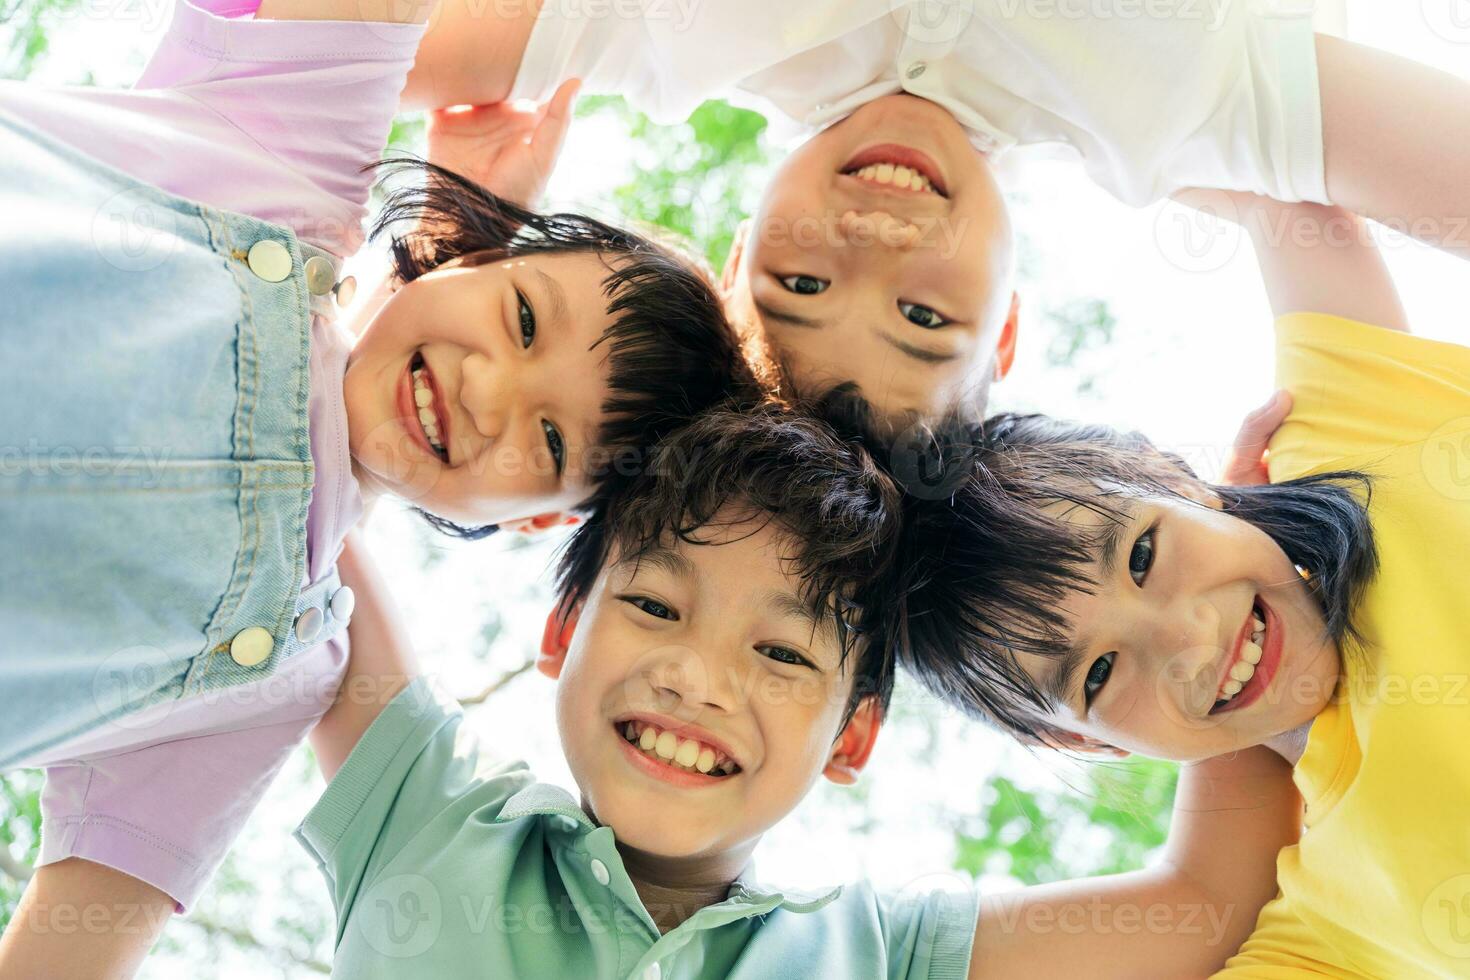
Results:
155 465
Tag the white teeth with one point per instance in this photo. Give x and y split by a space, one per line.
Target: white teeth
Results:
1232 688
424 398
1250 653
687 753
1242 671
895 175
1257 625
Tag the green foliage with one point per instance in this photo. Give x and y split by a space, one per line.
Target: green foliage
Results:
697 179
25 32
1108 825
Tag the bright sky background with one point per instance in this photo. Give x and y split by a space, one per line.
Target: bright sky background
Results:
1192 355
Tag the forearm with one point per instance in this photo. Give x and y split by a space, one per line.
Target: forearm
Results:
381 659
1396 137
1183 918
470 54
83 921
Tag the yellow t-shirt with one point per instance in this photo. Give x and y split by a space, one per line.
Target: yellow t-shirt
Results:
1380 884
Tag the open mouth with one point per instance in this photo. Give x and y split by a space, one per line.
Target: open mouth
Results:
895 168
680 753
1257 655
427 404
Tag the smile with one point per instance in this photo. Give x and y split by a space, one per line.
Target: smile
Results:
892 167
684 759
422 408
1253 662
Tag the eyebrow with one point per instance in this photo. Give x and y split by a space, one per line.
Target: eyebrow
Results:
1058 682
790 605
769 312
922 354
666 559
556 295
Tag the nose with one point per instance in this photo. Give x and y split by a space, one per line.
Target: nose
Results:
868 228
487 390
687 681
1184 639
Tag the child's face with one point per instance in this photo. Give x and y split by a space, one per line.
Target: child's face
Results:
708 641
1172 617
906 291
514 387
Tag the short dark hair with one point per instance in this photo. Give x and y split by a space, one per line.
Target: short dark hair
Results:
671 352
826 495
984 571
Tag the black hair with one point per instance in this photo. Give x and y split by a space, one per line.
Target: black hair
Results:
832 503
671 352
985 569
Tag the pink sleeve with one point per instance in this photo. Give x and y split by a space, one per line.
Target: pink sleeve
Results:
319 96
161 795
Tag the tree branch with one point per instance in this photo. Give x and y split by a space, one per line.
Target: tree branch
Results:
497 684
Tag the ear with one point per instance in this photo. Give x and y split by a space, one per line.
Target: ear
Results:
541 522
1005 351
1085 744
732 261
851 750
556 639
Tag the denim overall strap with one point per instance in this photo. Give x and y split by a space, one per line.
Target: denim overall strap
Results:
155 461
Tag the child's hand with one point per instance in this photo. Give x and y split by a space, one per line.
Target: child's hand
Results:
1246 464
509 151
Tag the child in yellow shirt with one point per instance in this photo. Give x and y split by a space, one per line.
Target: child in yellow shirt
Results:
1104 599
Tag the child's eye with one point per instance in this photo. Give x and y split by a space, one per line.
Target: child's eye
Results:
528 319
1097 676
1141 558
805 285
921 316
557 445
785 655
653 607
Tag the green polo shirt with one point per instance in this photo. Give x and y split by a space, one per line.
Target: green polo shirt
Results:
444 862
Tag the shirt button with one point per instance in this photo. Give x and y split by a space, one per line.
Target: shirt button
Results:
916 69
653 972
343 602
345 290
319 275
599 871
251 645
309 624
269 260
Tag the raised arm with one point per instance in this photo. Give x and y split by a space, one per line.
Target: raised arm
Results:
1182 918
1314 258
382 662
1396 138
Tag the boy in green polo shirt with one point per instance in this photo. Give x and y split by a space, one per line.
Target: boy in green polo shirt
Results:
714 655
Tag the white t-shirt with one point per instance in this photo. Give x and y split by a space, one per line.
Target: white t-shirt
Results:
1151 95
